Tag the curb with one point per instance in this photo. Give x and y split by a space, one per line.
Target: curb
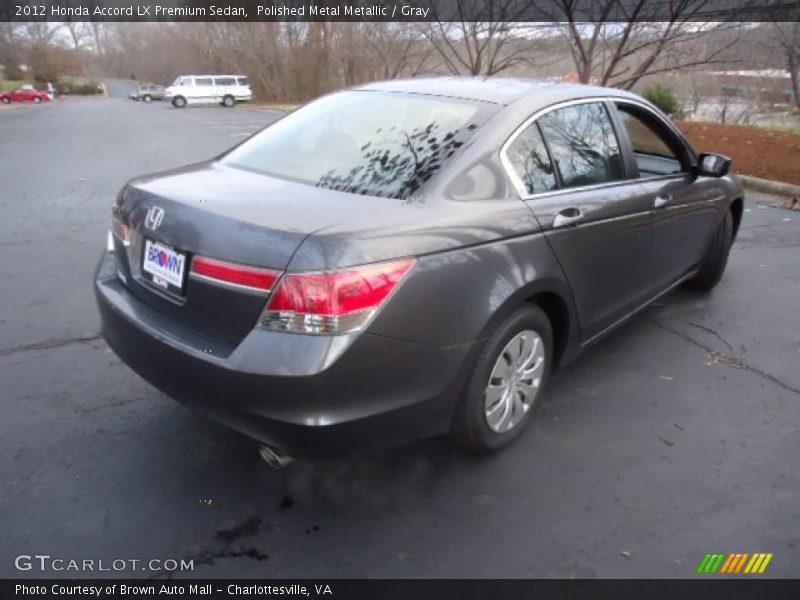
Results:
283 108
770 187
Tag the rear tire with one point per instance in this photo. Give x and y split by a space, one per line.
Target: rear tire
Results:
712 266
37 100
500 384
179 102
6 100
228 101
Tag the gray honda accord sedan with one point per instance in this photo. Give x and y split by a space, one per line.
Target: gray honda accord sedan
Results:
405 259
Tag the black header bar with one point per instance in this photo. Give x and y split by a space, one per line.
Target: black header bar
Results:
547 11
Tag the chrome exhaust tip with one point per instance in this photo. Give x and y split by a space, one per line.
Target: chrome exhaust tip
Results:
275 458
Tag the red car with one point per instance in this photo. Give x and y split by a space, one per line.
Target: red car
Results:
24 95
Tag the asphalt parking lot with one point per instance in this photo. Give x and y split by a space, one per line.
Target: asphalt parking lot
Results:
676 436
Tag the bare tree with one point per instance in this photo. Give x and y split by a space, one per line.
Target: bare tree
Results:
479 37
98 29
630 39
9 35
78 32
41 32
787 36
738 106
251 48
396 49
9 53
700 92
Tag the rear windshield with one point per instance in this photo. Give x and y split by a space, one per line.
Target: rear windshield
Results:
371 143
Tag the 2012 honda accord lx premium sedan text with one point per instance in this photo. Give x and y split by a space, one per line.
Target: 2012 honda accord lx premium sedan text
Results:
410 258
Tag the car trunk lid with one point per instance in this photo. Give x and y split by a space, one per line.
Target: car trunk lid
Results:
224 214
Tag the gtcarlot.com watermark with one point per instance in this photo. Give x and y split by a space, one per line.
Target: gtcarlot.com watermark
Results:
45 563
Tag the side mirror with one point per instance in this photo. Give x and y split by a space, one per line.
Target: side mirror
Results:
713 165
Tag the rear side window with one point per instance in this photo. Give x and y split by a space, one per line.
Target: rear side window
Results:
656 150
242 81
224 81
583 146
203 81
371 143
528 157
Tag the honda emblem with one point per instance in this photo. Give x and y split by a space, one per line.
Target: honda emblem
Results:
154 217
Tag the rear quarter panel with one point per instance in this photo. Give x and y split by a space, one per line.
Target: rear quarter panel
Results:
457 297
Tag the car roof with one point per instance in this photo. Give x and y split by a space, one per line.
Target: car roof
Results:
498 90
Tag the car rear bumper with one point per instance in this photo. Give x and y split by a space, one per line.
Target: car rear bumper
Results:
310 396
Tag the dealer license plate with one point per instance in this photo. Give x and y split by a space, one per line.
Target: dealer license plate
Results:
164 266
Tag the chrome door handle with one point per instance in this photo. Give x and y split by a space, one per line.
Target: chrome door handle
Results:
662 200
568 216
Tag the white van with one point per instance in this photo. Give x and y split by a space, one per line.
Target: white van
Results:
209 89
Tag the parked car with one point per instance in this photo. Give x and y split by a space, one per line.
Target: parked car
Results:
226 90
148 92
24 94
409 258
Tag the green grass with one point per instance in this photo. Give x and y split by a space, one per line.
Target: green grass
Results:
7 86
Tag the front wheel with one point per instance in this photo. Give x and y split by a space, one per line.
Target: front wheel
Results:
712 266
6 100
179 102
37 100
147 98
506 382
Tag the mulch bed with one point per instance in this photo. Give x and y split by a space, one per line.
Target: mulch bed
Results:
756 151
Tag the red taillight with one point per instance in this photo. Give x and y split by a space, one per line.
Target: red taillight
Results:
121 230
230 273
334 302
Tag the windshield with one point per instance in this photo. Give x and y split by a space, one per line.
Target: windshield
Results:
377 144
177 80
